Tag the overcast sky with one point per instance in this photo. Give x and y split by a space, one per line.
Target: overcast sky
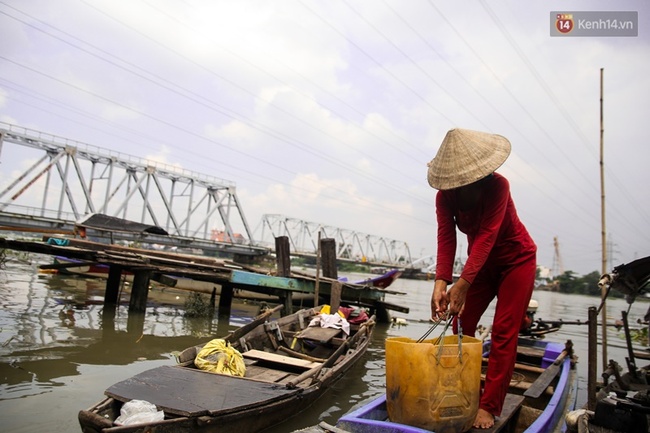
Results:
328 111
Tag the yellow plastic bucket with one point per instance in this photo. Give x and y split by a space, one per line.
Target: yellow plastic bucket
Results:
432 387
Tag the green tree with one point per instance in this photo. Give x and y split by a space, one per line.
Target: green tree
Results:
567 282
589 283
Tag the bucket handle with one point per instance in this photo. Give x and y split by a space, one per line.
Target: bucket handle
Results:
440 339
460 342
440 342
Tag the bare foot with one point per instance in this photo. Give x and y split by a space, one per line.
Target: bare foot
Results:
484 419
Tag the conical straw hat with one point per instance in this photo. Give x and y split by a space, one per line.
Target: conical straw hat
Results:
466 156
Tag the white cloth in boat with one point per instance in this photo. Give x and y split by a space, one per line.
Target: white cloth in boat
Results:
331 321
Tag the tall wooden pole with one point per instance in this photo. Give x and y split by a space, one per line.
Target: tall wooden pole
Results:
603 231
317 283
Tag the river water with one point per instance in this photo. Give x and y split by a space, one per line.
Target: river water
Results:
58 352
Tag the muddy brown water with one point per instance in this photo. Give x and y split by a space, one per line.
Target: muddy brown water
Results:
58 352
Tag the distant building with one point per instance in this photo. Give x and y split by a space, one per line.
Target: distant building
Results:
222 236
544 272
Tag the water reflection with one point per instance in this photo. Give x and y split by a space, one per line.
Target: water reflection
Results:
52 324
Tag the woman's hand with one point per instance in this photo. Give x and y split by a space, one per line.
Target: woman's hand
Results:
439 300
456 295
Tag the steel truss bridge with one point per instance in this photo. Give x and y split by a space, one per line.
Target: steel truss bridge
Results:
350 245
70 180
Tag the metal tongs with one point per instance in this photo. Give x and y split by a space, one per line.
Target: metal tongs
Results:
448 319
433 327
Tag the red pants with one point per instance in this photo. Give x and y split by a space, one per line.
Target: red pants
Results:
512 286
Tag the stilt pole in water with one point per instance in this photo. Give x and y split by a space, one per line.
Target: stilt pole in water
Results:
592 359
603 231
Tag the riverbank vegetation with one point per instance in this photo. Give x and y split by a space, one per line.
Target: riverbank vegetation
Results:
570 282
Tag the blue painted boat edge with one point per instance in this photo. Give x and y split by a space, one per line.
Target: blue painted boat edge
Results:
362 420
551 352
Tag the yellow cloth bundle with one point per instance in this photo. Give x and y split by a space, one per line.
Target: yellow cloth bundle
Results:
218 356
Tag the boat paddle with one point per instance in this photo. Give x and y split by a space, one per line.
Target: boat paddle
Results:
545 379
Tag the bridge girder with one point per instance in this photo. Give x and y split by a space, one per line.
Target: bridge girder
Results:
84 179
350 244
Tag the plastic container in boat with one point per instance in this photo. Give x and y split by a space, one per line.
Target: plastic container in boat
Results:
430 386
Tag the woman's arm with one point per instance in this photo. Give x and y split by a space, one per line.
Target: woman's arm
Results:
446 252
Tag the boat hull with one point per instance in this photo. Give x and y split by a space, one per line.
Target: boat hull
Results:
280 382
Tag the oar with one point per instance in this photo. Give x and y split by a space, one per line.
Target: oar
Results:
545 379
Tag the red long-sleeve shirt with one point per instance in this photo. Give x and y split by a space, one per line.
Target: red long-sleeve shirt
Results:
494 232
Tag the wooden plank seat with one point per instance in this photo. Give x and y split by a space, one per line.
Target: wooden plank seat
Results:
511 407
280 359
191 392
269 375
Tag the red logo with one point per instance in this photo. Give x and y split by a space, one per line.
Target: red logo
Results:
564 23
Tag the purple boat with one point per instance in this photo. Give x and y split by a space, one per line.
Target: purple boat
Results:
381 281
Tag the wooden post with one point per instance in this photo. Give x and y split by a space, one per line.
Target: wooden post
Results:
335 297
140 291
113 285
328 258
287 302
213 298
108 319
282 256
213 301
592 359
225 300
317 282
135 324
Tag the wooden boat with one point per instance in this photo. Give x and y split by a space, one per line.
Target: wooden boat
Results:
67 265
382 281
289 364
542 391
